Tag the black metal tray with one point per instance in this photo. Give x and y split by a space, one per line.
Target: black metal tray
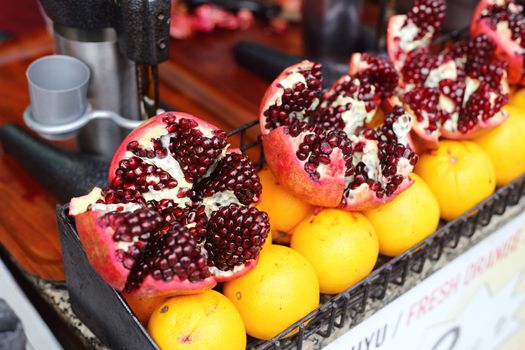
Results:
106 313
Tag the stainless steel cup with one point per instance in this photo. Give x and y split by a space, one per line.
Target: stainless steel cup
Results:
58 89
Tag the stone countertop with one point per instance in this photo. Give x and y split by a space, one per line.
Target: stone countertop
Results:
56 295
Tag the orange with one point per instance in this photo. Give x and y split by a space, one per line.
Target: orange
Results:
517 99
505 145
407 219
341 246
285 210
278 292
143 307
459 173
200 321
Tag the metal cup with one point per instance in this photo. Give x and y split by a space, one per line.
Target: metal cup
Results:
58 89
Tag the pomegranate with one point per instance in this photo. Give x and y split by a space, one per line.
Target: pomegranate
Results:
415 30
316 144
452 94
504 22
177 216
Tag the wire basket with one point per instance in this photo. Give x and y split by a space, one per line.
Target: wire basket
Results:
110 318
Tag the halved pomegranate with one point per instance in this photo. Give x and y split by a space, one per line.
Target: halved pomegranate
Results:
177 216
316 144
453 94
406 33
504 22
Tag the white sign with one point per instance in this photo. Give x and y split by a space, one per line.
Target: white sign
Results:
474 302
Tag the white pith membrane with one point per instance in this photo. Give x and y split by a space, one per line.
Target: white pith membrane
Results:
407 32
352 110
220 199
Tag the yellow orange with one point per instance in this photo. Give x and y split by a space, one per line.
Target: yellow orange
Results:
198 322
280 237
278 292
517 99
268 241
407 219
143 307
505 145
460 174
341 246
285 210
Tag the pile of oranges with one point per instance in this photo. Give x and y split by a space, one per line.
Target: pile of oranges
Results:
326 250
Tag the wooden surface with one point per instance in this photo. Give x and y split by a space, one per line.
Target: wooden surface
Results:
203 79
205 69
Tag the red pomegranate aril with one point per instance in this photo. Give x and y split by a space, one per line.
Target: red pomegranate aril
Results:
427 15
156 259
378 71
232 228
235 173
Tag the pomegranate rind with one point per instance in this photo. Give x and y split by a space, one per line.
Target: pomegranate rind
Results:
281 159
392 40
506 49
429 140
355 64
151 129
150 287
280 155
100 248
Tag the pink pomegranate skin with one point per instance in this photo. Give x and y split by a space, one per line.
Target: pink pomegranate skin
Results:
507 49
153 288
100 249
318 145
274 88
393 49
290 172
